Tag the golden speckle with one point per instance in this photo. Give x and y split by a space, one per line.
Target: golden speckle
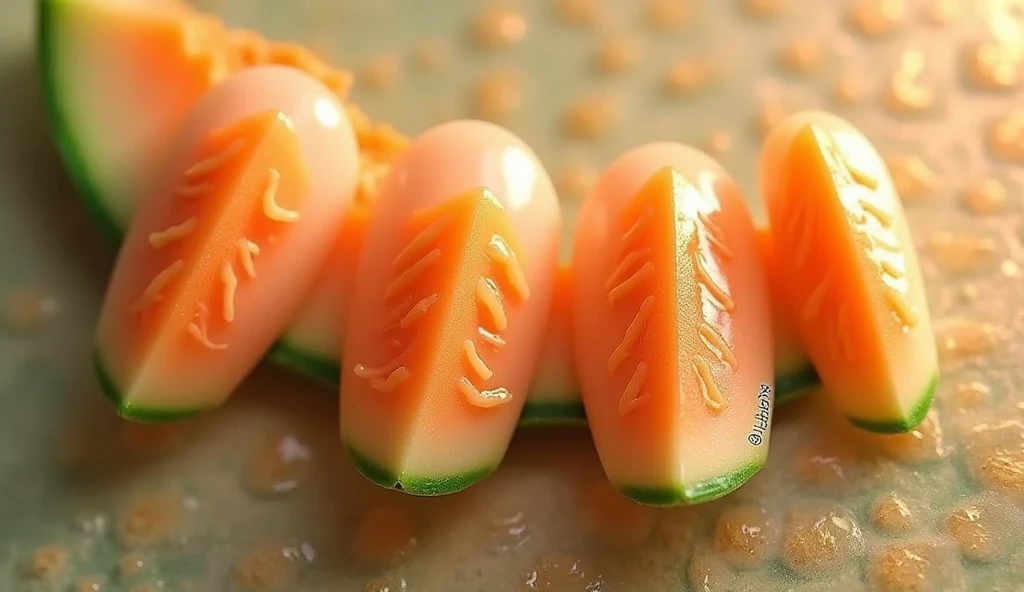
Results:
280 465
906 91
688 75
942 12
1006 136
613 519
801 55
385 535
850 89
827 465
922 444
768 115
980 527
498 94
576 179
558 572
579 13
510 532
149 521
718 143
912 177
993 66
916 566
986 196
29 308
875 18
266 568
380 72
499 25
131 565
818 540
764 8
667 15
995 456
618 54
92 583
48 562
961 253
959 338
432 54
891 514
744 534
590 118
970 396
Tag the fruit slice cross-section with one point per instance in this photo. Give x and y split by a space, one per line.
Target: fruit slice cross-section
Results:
855 289
671 327
219 259
455 280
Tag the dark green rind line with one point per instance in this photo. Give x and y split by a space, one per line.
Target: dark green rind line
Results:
302 362
698 493
908 423
127 410
415 484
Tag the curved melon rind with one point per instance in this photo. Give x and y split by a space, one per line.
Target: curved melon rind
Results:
415 484
914 417
127 410
795 383
47 45
306 363
698 493
553 413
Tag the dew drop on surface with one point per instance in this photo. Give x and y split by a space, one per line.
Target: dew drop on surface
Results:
280 465
149 521
985 196
131 565
875 18
510 532
29 308
960 252
1005 136
385 535
667 15
91 524
618 54
983 527
958 338
970 396
912 177
820 539
995 456
91 583
993 66
611 518
744 534
386 585
706 572
267 568
924 443
891 514
499 25
561 573
498 94
916 566
801 55
47 563
828 466
431 54
579 13
591 118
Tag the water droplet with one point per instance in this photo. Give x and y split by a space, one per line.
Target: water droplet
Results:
279 466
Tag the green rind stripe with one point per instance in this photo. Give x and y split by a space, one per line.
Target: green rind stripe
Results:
698 493
790 385
416 484
908 423
48 36
553 412
303 362
132 412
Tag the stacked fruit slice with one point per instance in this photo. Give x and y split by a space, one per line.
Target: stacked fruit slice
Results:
265 215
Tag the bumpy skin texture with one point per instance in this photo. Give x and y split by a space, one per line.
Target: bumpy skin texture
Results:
665 255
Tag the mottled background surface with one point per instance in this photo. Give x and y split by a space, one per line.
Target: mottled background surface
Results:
257 495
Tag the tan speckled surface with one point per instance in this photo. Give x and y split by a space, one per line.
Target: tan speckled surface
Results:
213 505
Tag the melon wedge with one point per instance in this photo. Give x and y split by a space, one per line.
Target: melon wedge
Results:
854 287
219 258
671 328
455 283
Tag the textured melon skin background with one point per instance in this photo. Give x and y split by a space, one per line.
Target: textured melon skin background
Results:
68 465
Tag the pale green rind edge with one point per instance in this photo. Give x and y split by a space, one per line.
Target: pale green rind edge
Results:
131 412
46 39
908 423
418 485
698 493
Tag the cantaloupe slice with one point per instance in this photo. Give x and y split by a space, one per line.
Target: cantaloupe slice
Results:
854 288
221 256
455 284
671 327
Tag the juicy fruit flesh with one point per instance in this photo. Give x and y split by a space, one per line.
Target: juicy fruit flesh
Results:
675 363
863 312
